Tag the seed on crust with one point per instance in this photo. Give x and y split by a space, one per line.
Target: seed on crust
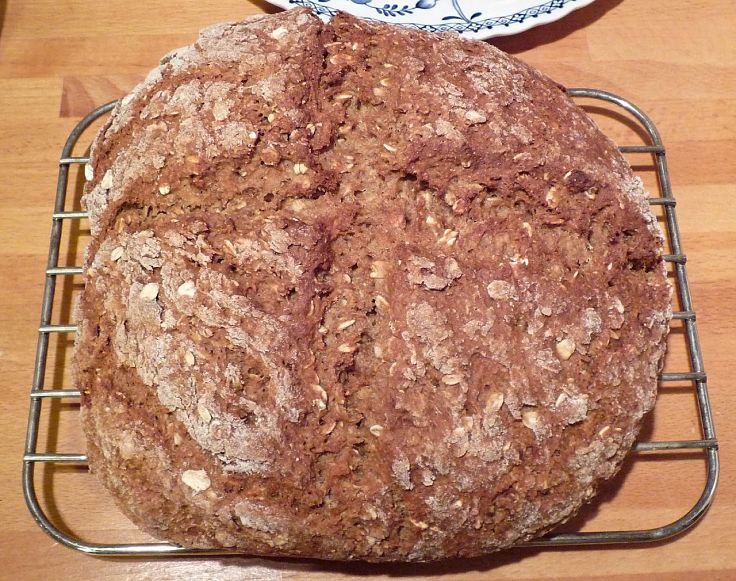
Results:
320 392
381 302
279 33
106 181
149 292
204 414
187 289
530 418
376 430
117 253
475 117
197 480
494 402
448 237
565 348
379 269
501 290
552 197
300 168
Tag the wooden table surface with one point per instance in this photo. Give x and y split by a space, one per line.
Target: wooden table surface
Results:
676 59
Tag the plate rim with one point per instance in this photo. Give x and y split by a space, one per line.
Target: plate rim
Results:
551 11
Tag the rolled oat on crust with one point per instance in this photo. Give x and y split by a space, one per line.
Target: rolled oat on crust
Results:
361 292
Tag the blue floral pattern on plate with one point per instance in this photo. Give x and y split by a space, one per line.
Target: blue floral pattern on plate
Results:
477 19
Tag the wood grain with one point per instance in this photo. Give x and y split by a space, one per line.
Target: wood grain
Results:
675 58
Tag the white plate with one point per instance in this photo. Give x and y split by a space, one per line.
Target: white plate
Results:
476 19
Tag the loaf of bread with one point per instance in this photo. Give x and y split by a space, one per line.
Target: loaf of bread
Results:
361 292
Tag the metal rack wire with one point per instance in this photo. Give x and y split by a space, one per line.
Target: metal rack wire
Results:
695 377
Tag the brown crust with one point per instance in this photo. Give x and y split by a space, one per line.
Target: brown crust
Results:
359 292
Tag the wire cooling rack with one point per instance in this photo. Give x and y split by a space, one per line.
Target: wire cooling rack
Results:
694 378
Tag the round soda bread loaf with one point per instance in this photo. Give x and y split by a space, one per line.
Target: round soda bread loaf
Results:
361 292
